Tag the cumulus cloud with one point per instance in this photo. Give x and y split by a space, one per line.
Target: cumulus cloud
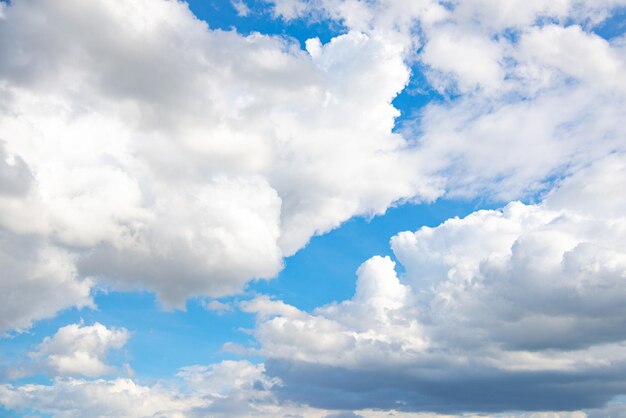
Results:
505 309
161 154
80 350
32 269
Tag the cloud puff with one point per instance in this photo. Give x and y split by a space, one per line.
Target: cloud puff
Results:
78 349
505 309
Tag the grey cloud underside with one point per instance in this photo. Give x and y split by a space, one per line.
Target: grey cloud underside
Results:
465 390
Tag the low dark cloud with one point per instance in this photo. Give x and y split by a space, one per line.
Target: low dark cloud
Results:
451 391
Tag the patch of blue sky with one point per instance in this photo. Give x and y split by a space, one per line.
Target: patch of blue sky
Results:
614 26
608 27
325 271
416 95
164 341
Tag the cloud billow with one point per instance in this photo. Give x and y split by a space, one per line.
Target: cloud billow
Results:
188 161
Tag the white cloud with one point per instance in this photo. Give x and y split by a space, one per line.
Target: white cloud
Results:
75 398
555 48
474 59
508 150
78 349
32 269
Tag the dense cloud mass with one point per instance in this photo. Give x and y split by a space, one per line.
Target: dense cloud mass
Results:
162 154
141 149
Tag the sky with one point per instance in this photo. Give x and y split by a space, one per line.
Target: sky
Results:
312 208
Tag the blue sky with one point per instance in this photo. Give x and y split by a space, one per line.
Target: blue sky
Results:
334 208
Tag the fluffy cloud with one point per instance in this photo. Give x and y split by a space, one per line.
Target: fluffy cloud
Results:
158 153
80 350
504 309
221 389
69 398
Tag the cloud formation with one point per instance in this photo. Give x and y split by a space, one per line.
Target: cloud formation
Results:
523 305
142 149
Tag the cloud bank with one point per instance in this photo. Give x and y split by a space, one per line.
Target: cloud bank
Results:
502 310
